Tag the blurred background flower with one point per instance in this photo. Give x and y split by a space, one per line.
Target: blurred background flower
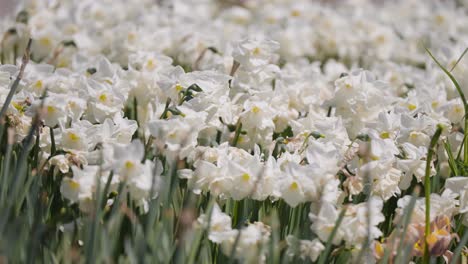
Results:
6 6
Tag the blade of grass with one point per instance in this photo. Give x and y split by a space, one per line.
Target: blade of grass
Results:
274 241
15 84
21 166
94 231
5 176
451 159
232 254
462 96
199 236
427 190
459 59
328 247
406 221
458 250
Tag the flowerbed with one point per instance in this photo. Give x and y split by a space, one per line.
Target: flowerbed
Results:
221 131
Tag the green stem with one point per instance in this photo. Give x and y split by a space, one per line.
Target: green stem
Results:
465 145
463 98
166 109
237 133
458 250
451 159
459 59
427 190
16 83
328 247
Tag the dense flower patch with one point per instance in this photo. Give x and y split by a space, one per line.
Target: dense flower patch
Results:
254 131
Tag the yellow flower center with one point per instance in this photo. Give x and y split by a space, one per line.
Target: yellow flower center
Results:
73 137
103 98
73 185
246 177
294 186
295 13
129 165
62 63
256 51
384 135
458 109
38 84
50 109
379 249
414 135
440 19
131 36
381 39
255 109
411 107
150 64
270 20
18 107
45 41
417 246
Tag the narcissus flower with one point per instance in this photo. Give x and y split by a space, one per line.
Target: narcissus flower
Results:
438 240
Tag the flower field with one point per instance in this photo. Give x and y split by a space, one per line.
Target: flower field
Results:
234 131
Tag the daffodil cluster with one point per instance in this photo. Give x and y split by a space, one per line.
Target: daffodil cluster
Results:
276 100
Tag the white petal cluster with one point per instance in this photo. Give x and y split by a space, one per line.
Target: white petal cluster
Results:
250 241
306 248
289 100
354 228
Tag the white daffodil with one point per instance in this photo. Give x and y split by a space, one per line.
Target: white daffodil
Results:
245 178
75 139
81 188
459 186
54 110
251 243
103 102
304 248
179 133
120 130
219 225
383 178
148 61
445 204
359 98
414 164
127 160
147 182
354 228
251 53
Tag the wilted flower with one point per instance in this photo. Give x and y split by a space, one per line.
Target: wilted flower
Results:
438 241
